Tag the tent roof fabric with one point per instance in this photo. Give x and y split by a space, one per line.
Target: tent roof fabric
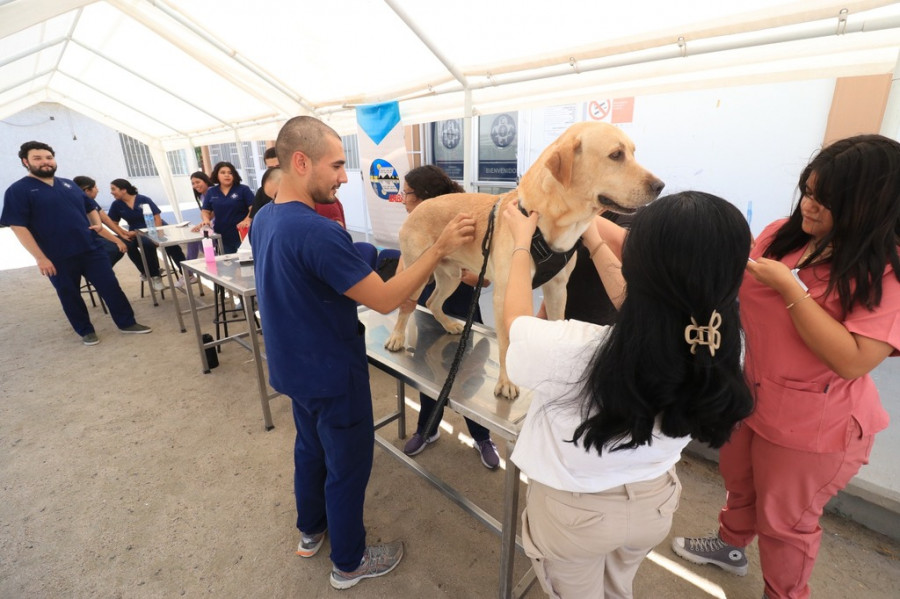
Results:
189 73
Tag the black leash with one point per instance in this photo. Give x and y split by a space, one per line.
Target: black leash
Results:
464 336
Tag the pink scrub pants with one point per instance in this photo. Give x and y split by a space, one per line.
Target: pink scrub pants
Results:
779 495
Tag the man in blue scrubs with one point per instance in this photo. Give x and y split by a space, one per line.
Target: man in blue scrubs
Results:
55 222
309 279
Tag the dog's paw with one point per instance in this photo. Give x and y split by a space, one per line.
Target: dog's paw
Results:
453 327
505 388
395 342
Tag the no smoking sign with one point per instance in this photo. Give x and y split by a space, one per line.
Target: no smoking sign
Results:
599 109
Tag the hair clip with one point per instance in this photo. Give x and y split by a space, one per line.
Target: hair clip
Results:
708 335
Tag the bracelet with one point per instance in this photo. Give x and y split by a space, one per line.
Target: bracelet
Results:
596 249
524 249
795 302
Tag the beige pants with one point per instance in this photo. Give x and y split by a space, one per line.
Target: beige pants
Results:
585 545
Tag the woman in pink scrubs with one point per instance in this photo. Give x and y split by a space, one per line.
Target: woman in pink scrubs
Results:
820 305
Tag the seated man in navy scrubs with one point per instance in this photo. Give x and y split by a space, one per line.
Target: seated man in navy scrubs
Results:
53 220
309 279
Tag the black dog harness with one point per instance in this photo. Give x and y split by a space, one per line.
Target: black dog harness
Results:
547 262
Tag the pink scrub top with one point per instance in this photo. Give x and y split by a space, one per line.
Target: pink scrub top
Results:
800 402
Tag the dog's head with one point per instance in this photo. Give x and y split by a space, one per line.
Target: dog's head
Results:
590 168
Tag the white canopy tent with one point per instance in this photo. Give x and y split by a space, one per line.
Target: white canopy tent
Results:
183 74
207 71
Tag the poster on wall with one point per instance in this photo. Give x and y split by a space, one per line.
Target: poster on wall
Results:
448 143
384 163
497 136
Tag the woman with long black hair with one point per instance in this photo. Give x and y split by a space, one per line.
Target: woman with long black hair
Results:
821 307
613 406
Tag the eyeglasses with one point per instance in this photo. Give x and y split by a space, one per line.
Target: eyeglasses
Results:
404 194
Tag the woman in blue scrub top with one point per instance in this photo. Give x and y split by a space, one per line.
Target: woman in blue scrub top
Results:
128 205
229 202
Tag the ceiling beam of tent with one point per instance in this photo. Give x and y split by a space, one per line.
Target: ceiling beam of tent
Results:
296 103
25 99
758 21
30 78
20 15
150 81
254 68
32 50
108 120
414 27
69 35
673 49
119 101
696 47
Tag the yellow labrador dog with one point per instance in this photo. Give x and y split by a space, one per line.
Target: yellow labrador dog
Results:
588 169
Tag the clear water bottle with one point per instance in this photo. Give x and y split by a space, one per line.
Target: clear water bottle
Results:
150 222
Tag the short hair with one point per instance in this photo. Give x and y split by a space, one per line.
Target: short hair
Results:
684 258
273 172
33 145
126 185
84 182
304 134
219 166
430 181
270 153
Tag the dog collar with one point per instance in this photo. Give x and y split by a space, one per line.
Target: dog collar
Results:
547 262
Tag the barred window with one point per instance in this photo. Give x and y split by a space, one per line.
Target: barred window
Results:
177 162
138 161
351 152
225 153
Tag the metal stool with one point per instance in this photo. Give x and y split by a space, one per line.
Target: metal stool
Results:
89 289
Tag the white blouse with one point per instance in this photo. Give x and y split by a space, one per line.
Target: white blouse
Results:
550 358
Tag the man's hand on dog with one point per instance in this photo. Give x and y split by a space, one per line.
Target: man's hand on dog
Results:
458 232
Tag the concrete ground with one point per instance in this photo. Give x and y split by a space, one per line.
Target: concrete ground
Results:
126 472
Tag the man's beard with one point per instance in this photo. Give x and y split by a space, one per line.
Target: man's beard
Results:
326 196
43 172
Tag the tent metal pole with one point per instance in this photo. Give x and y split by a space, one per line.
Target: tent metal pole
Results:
414 27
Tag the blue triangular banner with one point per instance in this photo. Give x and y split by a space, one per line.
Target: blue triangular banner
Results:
377 120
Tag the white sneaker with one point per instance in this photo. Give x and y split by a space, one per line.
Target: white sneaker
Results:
157 283
179 284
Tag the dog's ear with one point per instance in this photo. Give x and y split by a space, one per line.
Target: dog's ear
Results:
562 161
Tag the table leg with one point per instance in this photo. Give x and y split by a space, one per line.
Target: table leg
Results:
257 357
172 289
510 518
401 409
149 281
192 304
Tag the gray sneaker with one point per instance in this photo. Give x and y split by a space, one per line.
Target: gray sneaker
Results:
378 560
310 545
90 339
712 550
418 442
136 329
